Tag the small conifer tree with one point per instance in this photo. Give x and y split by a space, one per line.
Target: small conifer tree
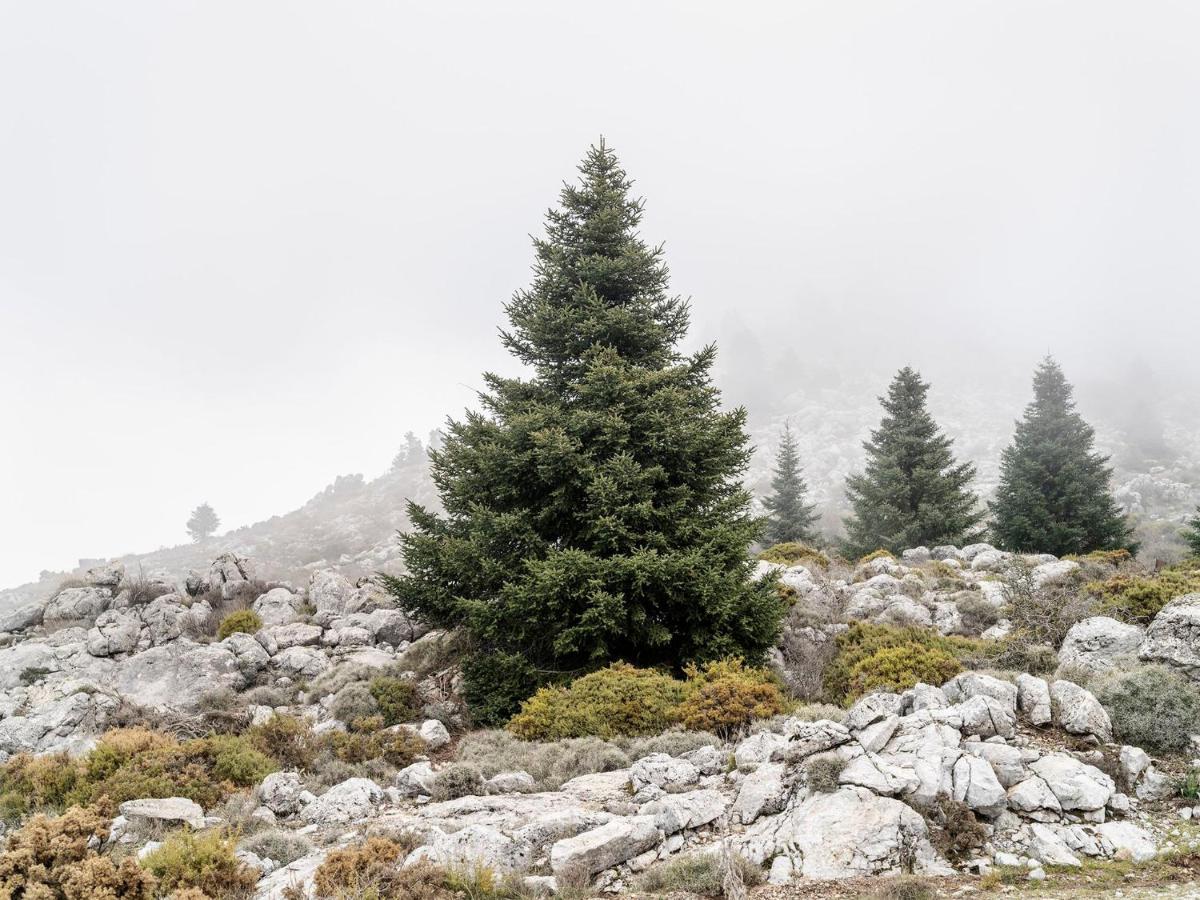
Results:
203 522
791 518
1054 492
912 492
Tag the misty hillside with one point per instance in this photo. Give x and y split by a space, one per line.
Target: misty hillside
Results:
351 524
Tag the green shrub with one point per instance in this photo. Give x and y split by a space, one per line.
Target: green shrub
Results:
33 674
456 780
899 668
396 698
549 763
242 621
905 887
874 555
1153 708
131 763
724 697
354 701
978 613
204 861
1138 598
926 653
792 554
821 772
282 846
288 739
696 873
618 700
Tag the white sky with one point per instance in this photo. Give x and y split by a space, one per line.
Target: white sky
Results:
244 246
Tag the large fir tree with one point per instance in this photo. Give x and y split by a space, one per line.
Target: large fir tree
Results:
594 511
1054 488
912 492
791 518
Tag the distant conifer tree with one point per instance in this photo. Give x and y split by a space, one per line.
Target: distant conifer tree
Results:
1054 488
912 492
593 511
203 522
1191 534
412 452
791 519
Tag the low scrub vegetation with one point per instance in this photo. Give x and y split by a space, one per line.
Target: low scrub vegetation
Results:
373 870
1153 708
54 859
1041 614
1138 598
794 554
242 621
552 763
129 764
204 861
722 697
873 657
700 874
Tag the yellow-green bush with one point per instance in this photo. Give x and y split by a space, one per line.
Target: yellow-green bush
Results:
927 653
793 553
396 698
876 554
244 621
724 697
1138 598
201 860
618 700
50 859
131 763
899 668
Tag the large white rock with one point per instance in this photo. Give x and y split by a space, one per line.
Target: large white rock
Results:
176 675
329 592
116 632
1096 644
987 717
1077 711
662 771
1033 697
1054 572
281 793
278 606
758 749
847 833
604 847
762 792
75 605
168 810
1075 785
975 684
1129 839
353 799
976 785
1173 637
678 812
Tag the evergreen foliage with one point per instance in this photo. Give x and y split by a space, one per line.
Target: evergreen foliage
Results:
1191 534
912 492
593 512
203 522
791 519
1054 495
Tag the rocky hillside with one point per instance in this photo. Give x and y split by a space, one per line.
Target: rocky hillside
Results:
981 731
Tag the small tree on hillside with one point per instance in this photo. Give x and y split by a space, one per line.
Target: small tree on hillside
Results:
1054 488
791 518
593 511
1191 534
912 492
203 522
412 452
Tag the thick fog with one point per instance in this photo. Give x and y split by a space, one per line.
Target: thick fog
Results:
244 247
